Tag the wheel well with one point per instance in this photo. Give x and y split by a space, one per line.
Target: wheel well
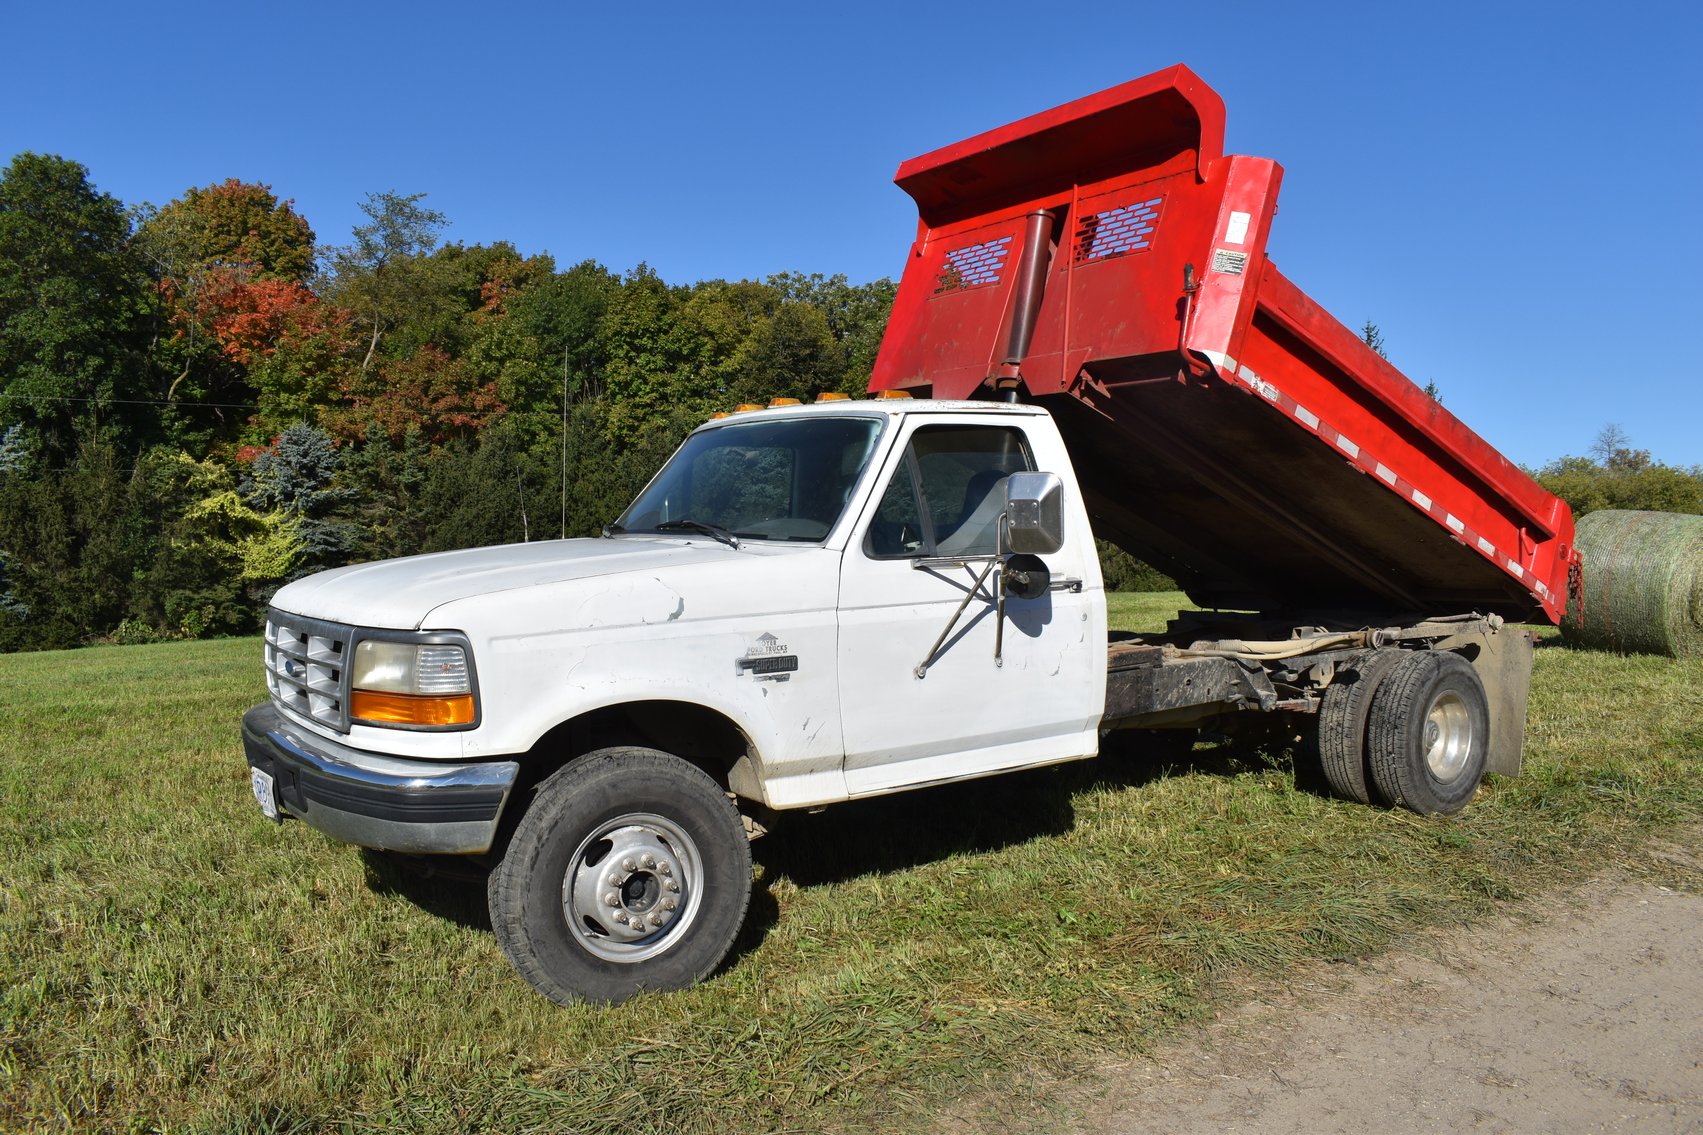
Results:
688 731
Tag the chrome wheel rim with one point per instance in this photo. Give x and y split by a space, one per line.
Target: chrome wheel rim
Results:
1448 736
633 888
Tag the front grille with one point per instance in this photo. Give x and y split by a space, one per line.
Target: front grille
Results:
305 667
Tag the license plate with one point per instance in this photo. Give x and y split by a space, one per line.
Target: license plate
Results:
264 792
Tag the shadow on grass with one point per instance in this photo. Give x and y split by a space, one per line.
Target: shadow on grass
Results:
908 829
886 833
452 887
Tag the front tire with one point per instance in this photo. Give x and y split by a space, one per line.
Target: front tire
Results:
630 871
1429 733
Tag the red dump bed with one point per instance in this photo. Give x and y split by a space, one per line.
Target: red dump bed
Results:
1107 260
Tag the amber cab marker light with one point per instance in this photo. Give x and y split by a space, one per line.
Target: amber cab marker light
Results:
893 394
833 396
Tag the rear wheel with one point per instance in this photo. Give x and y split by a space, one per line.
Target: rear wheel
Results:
630 871
1342 722
1428 733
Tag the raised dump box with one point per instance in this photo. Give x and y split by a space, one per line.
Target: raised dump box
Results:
1107 260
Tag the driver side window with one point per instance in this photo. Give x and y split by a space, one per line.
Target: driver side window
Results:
946 496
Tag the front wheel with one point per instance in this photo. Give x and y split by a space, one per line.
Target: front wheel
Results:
1429 733
630 871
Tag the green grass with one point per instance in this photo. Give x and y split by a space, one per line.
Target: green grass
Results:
1141 610
169 961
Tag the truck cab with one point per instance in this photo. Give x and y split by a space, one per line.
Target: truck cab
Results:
807 604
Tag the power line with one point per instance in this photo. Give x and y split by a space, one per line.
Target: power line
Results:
128 401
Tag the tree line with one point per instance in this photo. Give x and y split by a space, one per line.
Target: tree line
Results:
200 401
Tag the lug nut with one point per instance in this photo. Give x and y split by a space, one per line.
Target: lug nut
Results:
664 869
612 899
614 879
672 884
621 917
670 904
629 864
649 861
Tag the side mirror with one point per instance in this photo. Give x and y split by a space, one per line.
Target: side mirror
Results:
1034 513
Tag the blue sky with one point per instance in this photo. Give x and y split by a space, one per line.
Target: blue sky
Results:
1511 191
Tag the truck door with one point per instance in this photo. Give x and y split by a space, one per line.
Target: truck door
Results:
914 717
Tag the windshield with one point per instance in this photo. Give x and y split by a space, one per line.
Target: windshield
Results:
787 479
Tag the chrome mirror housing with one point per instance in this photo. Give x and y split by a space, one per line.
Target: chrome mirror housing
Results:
1034 513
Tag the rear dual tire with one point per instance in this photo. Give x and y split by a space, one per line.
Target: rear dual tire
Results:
1429 733
1343 715
1406 728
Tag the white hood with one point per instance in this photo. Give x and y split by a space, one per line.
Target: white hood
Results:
401 594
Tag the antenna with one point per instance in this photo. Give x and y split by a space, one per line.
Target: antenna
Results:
564 440
525 528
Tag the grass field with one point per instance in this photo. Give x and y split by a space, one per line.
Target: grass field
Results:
170 961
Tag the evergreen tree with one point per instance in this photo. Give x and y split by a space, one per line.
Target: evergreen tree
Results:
297 478
70 543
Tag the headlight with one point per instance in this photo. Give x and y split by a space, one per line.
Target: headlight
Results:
400 683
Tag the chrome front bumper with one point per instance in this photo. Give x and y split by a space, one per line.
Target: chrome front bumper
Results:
423 807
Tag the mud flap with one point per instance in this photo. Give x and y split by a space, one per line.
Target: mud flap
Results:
1503 660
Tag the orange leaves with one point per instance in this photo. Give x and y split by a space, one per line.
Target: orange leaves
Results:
506 276
431 392
252 318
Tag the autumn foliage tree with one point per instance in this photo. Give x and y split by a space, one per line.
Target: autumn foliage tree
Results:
236 224
293 346
207 248
431 394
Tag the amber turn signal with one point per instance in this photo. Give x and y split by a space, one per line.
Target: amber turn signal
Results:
410 709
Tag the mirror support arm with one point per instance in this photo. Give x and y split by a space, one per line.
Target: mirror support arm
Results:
975 589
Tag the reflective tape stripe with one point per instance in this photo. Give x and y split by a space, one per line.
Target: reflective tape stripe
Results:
1367 462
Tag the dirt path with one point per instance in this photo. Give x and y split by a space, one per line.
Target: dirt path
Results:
1590 1020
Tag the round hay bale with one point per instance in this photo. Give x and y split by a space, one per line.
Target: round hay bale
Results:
1642 584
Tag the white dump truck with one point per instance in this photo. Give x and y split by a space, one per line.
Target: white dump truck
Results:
815 603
